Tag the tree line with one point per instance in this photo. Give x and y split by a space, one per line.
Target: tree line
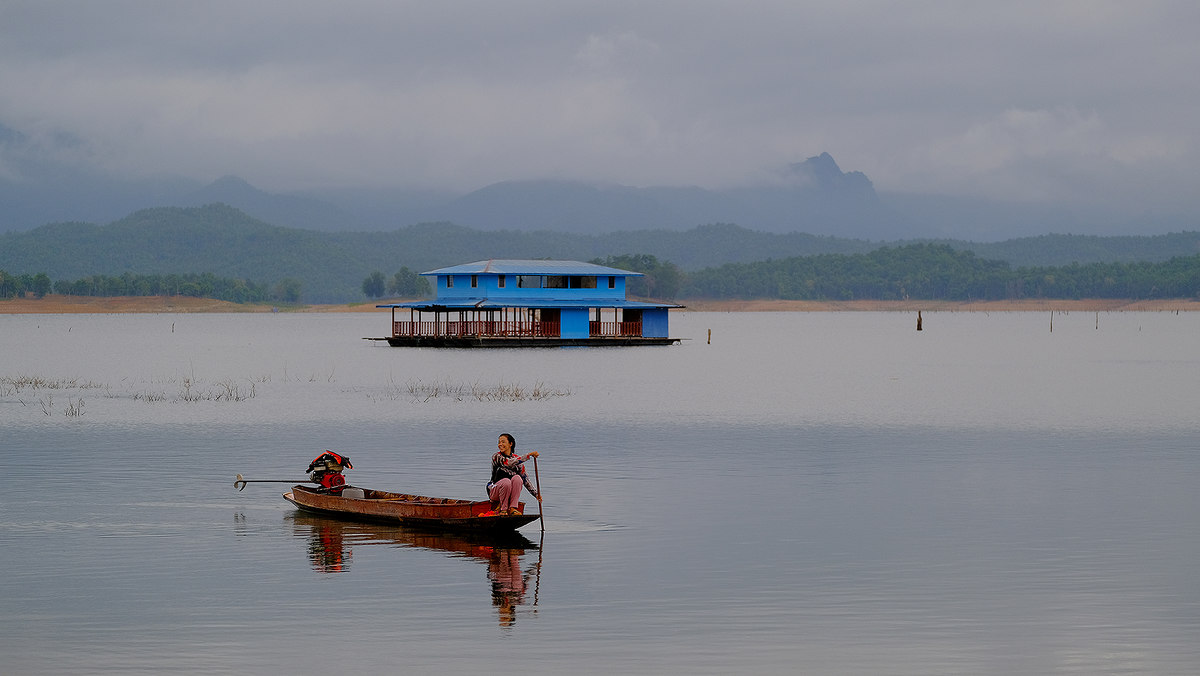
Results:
405 283
198 285
915 271
940 272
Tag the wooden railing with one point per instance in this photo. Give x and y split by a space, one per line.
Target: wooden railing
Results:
468 328
510 328
615 329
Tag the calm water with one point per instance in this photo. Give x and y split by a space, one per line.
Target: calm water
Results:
821 493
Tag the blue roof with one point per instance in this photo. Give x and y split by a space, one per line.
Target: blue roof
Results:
526 302
531 267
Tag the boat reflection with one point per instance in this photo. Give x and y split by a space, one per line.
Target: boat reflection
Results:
331 544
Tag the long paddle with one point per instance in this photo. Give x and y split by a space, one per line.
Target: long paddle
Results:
240 483
537 483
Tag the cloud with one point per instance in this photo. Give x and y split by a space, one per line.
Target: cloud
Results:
1030 100
1060 154
603 53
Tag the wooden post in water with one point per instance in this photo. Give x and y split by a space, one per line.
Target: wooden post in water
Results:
918 320
1052 321
710 336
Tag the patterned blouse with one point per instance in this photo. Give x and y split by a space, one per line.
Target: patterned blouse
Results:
505 467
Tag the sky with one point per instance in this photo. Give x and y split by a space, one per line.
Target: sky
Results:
1088 101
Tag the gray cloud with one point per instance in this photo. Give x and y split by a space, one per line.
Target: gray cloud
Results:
1024 100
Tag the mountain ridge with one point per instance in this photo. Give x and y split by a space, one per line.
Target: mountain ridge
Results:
223 240
814 196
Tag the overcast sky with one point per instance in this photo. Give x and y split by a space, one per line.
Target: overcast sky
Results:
1044 99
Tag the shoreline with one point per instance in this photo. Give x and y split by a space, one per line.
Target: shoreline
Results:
56 304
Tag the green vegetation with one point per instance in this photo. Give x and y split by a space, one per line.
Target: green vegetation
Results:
200 247
12 286
408 283
204 285
375 285
939 272
661 280
403 283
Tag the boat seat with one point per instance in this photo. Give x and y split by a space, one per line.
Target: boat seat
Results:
353 493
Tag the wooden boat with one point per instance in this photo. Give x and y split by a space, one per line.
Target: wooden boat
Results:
416 511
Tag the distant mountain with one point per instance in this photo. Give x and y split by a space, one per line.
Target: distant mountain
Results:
823 174
48 182
293 211
562 206
376 209
813 197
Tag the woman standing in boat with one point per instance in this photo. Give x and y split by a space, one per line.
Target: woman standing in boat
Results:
508 475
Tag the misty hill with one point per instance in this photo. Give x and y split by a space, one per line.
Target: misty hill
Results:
215 238
331 266
814 197
294 211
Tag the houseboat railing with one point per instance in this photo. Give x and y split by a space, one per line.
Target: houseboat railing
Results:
615 329
466 328
510 328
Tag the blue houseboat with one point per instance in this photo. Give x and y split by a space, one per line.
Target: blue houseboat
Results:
528 303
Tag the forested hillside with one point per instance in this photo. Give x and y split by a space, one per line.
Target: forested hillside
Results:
939 272
330 267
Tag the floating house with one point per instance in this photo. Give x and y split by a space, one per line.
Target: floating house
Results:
528 303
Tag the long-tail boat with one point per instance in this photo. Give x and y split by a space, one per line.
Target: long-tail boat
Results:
416 511
334 497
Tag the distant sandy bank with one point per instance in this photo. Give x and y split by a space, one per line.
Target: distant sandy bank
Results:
55 304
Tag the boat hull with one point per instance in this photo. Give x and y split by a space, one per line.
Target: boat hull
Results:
414 511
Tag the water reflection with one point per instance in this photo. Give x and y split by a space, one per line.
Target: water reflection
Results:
331 544
327 548
510 582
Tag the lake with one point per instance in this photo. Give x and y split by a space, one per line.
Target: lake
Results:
819 493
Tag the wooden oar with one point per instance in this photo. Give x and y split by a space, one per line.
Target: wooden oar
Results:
240 483
537 483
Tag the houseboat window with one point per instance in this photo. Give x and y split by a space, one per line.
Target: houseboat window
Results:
556 282
612 282
474 281
500 282
583 282
449 281
529 282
